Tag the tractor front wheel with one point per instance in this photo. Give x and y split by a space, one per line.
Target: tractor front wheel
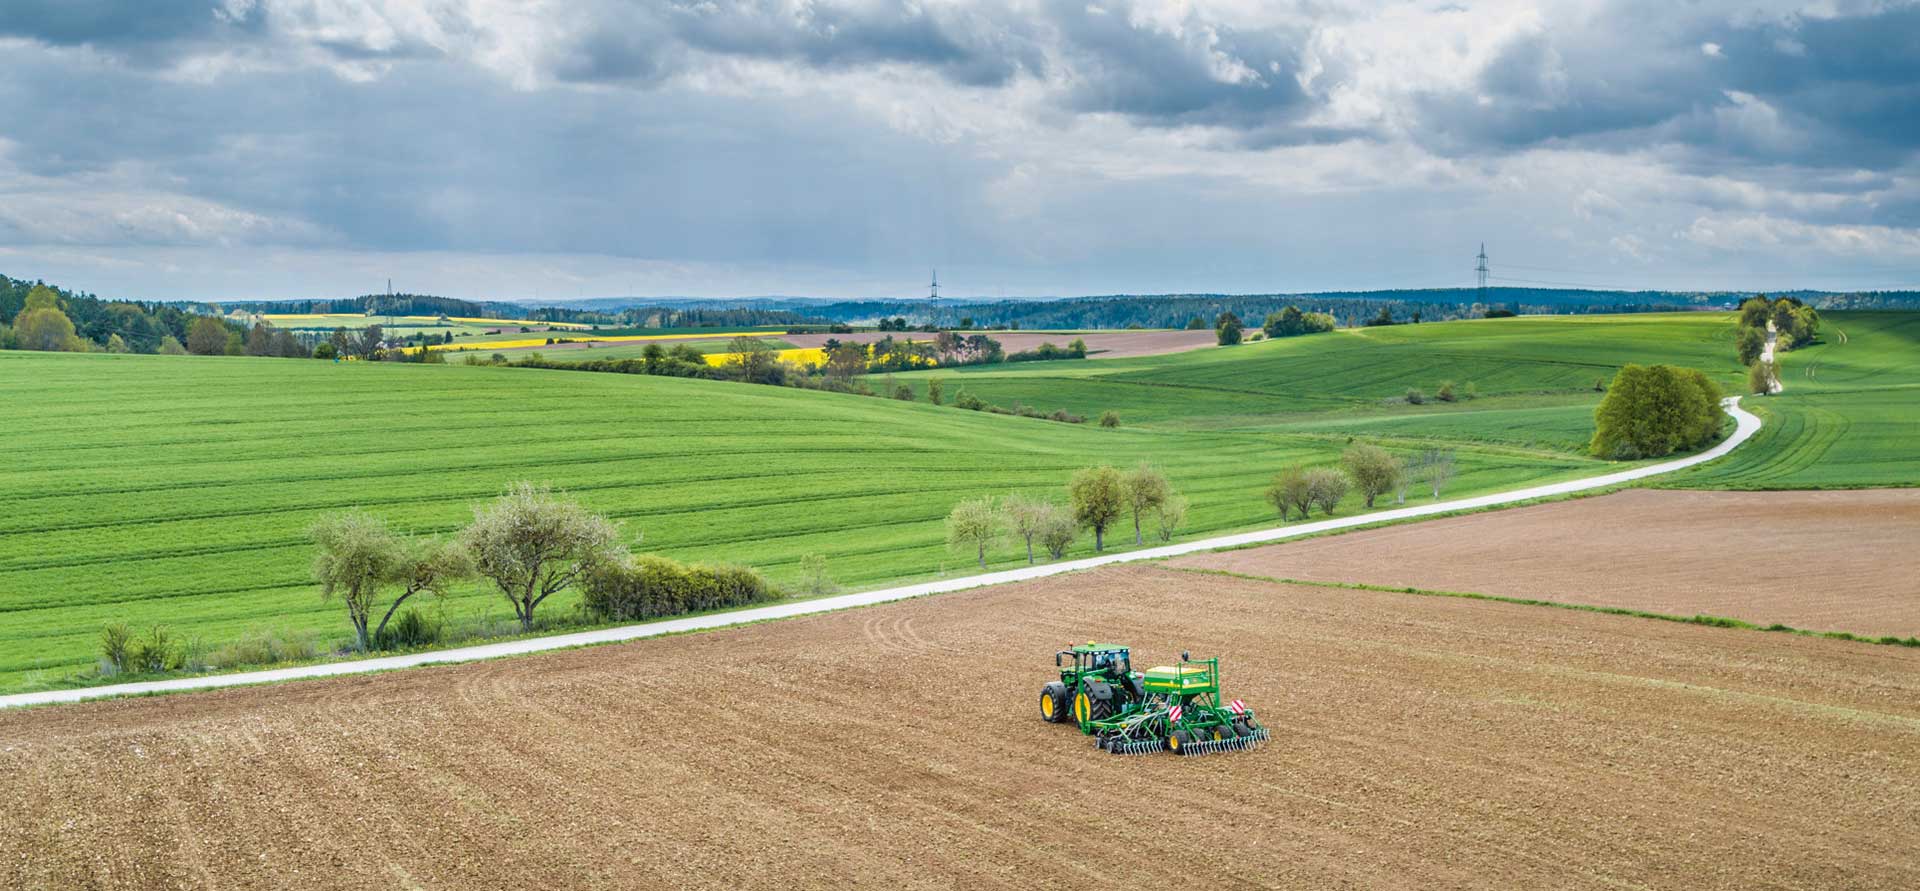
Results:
1053 703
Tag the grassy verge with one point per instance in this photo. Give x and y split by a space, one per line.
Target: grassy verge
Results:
1710 621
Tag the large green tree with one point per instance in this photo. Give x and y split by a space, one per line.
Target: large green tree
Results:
1655 410
45 328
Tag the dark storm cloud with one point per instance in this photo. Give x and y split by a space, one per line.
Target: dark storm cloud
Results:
596 128
646 41
1191 73
1810 91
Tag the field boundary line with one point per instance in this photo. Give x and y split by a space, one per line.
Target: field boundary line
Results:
1746 424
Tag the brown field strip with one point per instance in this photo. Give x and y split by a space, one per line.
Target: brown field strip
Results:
1824 561
1418 742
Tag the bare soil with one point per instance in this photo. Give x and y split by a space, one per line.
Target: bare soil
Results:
1419 743
1100 344
1828 561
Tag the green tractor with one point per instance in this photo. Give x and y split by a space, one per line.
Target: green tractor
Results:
1177 708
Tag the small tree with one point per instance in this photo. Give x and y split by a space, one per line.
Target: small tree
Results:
1058 531
1760 378
1436 468
1170 515
1445 393
1027 518
356 557
814 579
1410 471
1227 329
1147 490
359 556
933 390
1109 419
973 525
1290 492
1326 486
1098 497
426 564
1371 468
533 544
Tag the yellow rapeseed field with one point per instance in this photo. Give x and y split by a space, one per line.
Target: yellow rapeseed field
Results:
805 356
623 338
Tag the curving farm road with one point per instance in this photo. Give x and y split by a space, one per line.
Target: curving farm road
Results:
1746 424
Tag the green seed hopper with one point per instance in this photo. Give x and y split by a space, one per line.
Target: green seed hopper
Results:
1177 708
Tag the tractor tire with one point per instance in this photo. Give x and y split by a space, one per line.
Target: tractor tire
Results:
1053 703
1178 742
1240 728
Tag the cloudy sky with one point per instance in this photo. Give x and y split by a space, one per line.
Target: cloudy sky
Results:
526 149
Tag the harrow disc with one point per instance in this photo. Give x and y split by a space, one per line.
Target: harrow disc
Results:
1135 746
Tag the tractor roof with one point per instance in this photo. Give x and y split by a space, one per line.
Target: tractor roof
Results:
1091 647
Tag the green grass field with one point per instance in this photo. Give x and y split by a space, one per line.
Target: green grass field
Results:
1542 369
1850 416
178 489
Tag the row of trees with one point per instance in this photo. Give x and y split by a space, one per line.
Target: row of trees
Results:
529 544
1289 321
1097 499
1794 325
1372 470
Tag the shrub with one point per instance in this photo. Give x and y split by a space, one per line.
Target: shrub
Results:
968 401
1058 534
116 641
1498 314
1415 397
412 629
933 390
153 653
1760 377
262 647
1109 418
648 587
1445 393
903 392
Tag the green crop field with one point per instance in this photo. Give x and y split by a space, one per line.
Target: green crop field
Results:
1534 374
178 489
1850 416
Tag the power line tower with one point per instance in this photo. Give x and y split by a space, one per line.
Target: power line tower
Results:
933 289
1482 270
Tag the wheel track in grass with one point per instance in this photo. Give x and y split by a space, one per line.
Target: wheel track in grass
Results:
1745 427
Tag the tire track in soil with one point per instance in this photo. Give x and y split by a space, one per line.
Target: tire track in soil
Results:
1419 742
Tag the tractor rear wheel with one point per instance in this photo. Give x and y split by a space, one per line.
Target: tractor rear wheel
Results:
1053 703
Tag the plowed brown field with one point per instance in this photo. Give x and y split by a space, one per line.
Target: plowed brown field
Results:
1827 561
1420 743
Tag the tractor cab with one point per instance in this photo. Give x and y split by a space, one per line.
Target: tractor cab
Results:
1108 660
